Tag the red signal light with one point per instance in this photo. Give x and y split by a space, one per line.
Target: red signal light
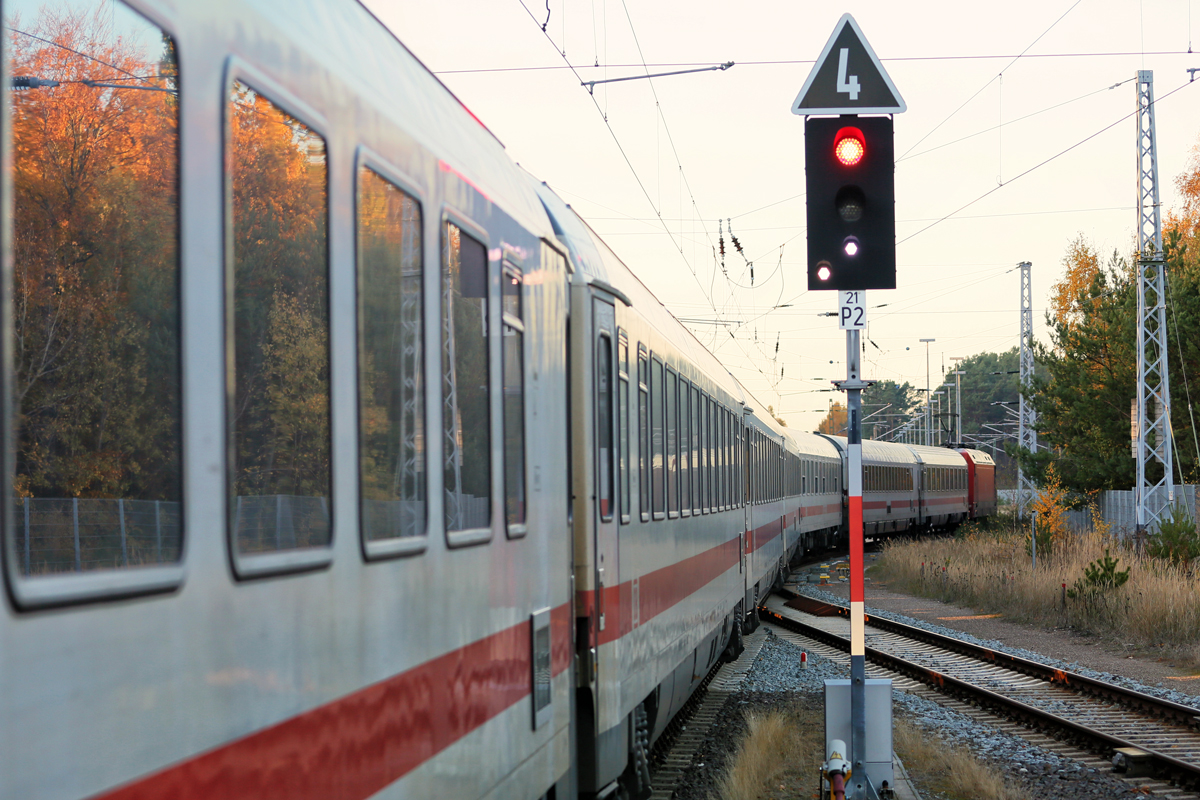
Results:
849 146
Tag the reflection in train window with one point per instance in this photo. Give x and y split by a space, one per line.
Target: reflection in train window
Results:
623 424
512 362
697 423
280 323
604 426
685 446
706 452
672 425
95 290
657 437
466 421
391 396
643 433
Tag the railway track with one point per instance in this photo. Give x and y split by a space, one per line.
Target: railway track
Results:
1145 735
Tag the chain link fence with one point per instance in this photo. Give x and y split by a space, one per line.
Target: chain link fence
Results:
273 522
76 535
56 535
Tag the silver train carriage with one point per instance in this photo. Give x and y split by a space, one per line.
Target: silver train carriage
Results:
344 460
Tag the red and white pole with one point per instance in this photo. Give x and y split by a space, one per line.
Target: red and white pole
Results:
853 385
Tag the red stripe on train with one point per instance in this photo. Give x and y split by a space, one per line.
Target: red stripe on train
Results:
352 747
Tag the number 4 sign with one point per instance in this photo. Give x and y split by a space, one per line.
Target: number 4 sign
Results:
852 310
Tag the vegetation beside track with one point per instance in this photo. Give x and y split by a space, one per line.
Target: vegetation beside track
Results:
1137 597
780 753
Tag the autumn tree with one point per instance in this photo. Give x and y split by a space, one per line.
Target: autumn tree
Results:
95 275
281 298
834 423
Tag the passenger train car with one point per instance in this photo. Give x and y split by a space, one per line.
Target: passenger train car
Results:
342 459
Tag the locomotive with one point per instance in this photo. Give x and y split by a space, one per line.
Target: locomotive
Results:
343 459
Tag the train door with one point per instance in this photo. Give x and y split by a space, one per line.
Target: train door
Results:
747 485
606 552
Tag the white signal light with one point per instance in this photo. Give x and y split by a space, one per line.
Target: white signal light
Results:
850 246
823 273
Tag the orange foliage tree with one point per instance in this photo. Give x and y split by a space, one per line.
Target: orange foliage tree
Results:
834 423
95 262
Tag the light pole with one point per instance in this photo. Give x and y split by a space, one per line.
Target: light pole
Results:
949 408
938 441
958 373
928 396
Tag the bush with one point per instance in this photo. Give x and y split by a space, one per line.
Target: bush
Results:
1177 539
1051 506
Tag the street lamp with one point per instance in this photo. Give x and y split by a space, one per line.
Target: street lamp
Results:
949 408
958 373
928 409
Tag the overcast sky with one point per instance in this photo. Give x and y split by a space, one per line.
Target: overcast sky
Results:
724 145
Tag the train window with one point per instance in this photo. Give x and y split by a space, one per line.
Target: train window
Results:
752 446
658 439
726 448
512 362
696 422
281 471
716 449
623 426
643 433
604 426
95 303
685 447
466 388
705 453
672 429
391 374
719 415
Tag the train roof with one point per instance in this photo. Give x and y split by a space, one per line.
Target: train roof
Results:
362 53
937 456
876 451
595 263
811 444
977 456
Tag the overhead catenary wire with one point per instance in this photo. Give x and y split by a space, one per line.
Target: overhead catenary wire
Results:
641 185
783 62
989 83
1037 166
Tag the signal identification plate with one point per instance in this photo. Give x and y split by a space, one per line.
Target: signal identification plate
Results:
852 310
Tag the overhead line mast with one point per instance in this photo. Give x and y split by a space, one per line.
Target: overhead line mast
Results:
1152 440
1027 417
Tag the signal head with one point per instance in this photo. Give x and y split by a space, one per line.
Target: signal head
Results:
849 146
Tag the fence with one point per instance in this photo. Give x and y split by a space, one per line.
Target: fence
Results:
79 535
1118 508
272 522
74 535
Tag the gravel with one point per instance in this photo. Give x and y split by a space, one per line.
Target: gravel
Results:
1157 690
776 679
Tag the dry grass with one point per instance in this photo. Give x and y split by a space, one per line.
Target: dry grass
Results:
1158 607
782 750
776 742
951 770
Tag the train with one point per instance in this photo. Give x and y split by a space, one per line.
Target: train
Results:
343 459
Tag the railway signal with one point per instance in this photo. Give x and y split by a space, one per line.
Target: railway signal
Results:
850 164
850 177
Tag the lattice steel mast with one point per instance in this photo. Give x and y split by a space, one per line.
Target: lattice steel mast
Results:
1027 417
1153 443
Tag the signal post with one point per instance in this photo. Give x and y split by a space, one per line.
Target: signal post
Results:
851 214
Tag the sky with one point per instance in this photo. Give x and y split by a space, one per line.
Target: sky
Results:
1020 136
